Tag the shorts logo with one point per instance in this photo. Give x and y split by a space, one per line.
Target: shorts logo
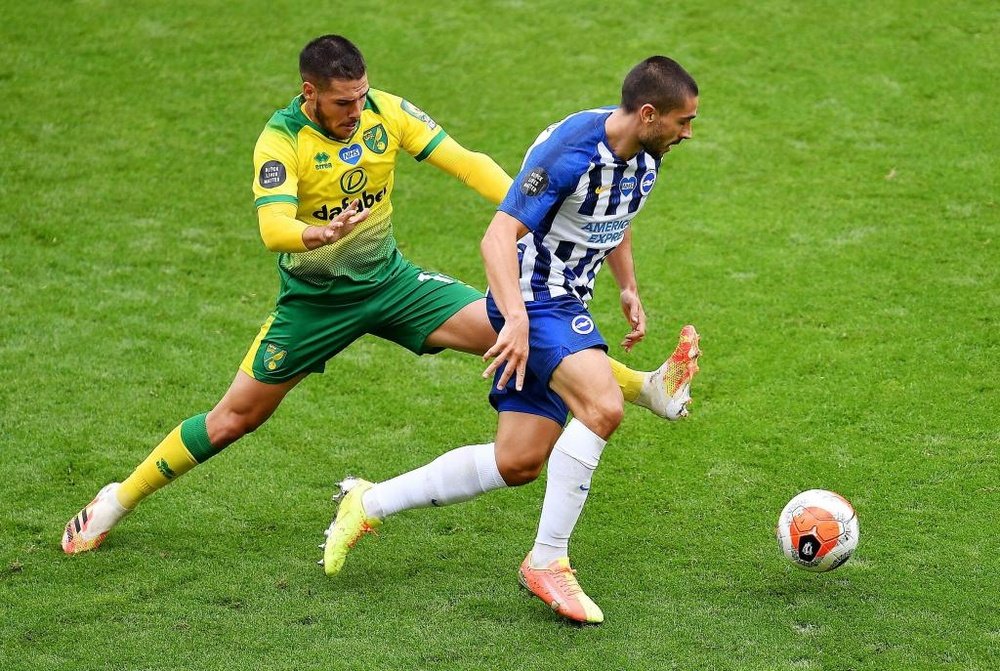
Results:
535 182
272 174
627 186
353 181
418 113
376 139
274 356
351 154
323 161
582 324
647 183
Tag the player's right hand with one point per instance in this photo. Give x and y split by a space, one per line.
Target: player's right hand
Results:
339 227
511 348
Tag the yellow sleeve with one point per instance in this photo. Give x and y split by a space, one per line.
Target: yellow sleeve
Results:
416 132
276 169
476 170
279 229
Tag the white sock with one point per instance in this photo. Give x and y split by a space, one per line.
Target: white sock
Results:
459 475
567 483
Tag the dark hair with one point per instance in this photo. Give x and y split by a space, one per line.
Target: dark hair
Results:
330 57
659 81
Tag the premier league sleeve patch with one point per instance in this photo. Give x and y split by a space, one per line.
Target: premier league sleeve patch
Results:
417 113
535 182
272 174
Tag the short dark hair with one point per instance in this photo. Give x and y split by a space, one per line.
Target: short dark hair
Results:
330 57
659 81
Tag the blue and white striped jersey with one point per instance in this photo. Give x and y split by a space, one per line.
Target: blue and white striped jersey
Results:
577 199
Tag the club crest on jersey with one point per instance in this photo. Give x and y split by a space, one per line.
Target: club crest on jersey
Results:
646 185
353 181
272 174
627 186
535 182
582 324
351 154
323 161
274 356
418 113
376 139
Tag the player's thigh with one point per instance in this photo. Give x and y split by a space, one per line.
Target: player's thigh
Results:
468 330
413 304
301 336
523 444
586 384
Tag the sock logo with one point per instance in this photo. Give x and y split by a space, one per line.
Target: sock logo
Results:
584 488
164 468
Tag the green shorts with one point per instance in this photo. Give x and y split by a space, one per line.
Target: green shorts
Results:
311 323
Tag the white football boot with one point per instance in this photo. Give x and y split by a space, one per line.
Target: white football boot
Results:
667 390
87 529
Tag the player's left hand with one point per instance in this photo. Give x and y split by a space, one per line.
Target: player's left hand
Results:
510 351
338 227
636 316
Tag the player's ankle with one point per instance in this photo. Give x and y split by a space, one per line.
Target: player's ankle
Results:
371 506
542 555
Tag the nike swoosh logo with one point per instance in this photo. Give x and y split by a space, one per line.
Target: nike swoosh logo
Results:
584 489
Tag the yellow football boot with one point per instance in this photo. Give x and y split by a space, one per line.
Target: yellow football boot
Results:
350 524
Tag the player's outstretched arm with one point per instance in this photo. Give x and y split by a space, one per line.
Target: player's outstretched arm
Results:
499 250
282 232
475 169
623 269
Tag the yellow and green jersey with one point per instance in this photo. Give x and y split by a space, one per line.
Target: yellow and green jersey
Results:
295 161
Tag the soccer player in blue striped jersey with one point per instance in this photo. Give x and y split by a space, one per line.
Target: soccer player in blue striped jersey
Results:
568 212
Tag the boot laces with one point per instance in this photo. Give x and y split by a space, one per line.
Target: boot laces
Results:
568 582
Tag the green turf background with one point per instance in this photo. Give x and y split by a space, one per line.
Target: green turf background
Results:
832 229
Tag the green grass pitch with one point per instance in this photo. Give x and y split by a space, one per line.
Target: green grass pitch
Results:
832 229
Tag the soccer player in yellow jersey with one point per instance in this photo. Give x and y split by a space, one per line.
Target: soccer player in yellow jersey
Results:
323 177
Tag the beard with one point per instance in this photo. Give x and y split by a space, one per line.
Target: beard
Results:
324 122
655 149
330 128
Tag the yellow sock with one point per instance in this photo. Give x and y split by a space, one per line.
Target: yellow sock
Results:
629 380
167 461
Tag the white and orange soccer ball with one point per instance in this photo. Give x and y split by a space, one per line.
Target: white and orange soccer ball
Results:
818 530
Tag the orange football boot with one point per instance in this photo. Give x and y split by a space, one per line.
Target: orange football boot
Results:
557 586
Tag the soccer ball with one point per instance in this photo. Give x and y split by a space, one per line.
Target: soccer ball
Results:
818 530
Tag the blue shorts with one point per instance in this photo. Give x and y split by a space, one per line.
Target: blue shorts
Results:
557 327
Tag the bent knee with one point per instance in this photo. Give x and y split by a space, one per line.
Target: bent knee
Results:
517 472
226 426
603 415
